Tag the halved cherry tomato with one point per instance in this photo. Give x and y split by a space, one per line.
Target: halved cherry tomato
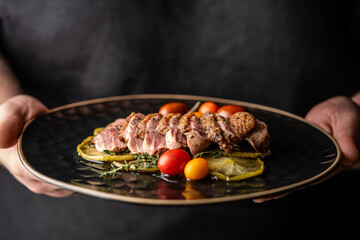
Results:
173 107
228 110
173 161
196 169
208 107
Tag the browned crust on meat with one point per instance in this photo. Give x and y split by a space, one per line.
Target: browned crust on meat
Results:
141 127
241 123
184 122
124 126
211 127
164 126
258 138
199 132
227 133
229 138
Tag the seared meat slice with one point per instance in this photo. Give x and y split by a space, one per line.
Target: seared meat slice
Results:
154 142
217 130
211 128
135 144
195 140
227 133
184 122
141 127
258 138
229 138
164 125
118 123
153 134
108 138
123 134
174 137
241 123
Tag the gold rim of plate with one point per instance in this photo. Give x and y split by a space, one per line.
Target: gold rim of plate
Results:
174 97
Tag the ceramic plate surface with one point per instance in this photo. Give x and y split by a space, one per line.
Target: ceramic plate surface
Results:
301 154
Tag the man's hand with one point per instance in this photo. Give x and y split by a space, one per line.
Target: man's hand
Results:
14 113
340 117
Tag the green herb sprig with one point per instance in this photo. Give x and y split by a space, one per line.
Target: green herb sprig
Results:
212 153
139 158
217 152
108 152
111 172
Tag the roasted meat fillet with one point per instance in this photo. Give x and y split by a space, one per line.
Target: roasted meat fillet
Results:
241 123
154 134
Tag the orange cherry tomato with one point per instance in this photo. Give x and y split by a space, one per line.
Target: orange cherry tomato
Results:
173 107
197 114
173 161
196 169
228 110
208 107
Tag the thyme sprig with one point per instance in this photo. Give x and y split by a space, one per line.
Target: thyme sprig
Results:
111 172
139 158
217 152
212 153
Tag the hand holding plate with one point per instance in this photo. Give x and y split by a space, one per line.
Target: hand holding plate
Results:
14 113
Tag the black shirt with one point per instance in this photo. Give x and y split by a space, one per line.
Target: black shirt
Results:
285 54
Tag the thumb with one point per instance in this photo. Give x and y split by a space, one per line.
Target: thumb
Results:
345 134
14 113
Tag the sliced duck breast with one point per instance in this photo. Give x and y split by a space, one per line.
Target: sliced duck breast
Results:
258 138
174 137
195 139
154 142
108 138
124 133
142 128
153 134
229 138
241 123
210 127
164 125
135 144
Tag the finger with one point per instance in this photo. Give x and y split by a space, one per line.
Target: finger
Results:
60 193
14 113
14 166
261 200
346 132
350 153
40 187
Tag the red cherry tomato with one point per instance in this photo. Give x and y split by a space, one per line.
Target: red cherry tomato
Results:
208 107
173 161
228 110
173 107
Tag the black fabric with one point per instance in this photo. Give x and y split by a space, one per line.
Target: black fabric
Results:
285 54
318 212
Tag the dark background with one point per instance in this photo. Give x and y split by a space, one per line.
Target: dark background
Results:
326 210
284 54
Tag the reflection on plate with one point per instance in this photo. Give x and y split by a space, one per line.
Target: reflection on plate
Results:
301 154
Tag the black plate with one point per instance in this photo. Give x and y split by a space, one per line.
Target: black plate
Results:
301 154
